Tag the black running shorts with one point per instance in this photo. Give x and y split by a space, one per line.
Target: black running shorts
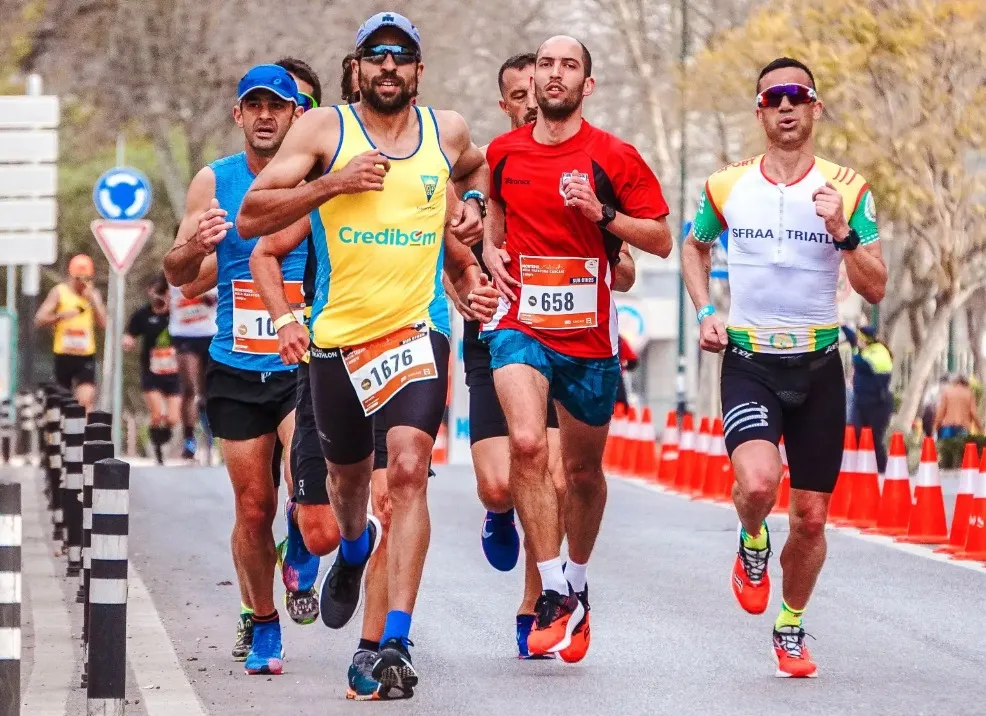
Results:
346 434
71 370
166 384
245 404
199 345
802 397
486 419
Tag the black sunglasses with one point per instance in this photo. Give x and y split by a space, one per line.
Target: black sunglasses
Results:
377 54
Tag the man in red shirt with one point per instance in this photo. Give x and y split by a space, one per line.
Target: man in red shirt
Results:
565 196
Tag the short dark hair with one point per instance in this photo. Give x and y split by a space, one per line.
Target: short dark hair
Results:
517 62
780 63
346 85
586 57
303 71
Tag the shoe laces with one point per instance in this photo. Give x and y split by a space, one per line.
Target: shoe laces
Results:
792 640
244 625
754 562
547 608
265 638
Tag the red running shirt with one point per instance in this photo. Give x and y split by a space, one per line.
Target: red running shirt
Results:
563 260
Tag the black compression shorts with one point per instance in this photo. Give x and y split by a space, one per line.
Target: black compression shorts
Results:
486 419
199 345
245 404
802 397
347 435
71 370
166 384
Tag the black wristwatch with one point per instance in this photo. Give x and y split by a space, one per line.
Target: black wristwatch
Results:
480 200
609 213
850 243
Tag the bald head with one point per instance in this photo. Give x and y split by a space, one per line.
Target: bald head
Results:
566 47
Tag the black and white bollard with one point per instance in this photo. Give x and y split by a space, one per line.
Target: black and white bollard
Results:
75 426
107 649
10 599
6 430
97 446
53 433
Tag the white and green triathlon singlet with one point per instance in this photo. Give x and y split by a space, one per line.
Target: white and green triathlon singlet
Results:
783 265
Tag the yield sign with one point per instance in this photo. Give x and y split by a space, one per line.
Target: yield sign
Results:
121 241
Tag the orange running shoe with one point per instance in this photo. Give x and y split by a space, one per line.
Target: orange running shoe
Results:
750 581
793 659
576 651
557 617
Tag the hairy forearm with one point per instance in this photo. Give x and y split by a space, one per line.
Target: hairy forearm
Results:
269 281
867 274
696 267
625 273
478 179
182 263
648 235
266 211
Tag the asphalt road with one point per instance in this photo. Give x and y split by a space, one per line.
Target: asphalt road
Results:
897 633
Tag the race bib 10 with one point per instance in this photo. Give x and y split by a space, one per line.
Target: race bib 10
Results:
558 293
379 369
253 328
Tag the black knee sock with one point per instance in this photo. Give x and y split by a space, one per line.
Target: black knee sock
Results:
166 434
189 432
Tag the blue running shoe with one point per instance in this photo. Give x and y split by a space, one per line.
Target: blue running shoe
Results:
266 654
299 570
362 685
525 622
501 543
188 452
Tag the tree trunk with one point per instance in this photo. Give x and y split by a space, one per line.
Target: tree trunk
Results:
927 353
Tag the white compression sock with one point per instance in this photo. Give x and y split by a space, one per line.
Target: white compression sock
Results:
575 574
552 576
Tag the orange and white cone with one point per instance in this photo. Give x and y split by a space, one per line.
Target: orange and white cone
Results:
864 503
895 499
959 533
616 430
841 496
439 453
702 445
667 468
975 544
927 524
715 468
686 455
784 491
624 455
645 462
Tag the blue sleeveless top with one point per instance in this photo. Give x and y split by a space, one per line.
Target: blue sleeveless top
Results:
233 179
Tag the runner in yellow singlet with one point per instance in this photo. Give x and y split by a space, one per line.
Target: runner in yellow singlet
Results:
75 308
377 174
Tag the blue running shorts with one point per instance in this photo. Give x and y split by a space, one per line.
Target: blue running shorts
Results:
586 387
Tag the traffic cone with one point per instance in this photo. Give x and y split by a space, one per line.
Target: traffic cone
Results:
959 533
729 478
686 455
667 468
615 434
841 496
702 444
927 523
895 500
784 491
439 453
864 503
975 544
645 464
716 466
630 439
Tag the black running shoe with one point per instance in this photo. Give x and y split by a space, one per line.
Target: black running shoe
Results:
393 668
244 638
341 591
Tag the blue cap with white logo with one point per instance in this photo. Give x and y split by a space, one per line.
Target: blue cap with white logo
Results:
387 19
272 78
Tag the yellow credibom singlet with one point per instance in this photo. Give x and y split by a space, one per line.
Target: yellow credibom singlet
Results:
380 253
77 335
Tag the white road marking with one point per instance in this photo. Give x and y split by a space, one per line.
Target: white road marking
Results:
55 656
153 658
927 552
